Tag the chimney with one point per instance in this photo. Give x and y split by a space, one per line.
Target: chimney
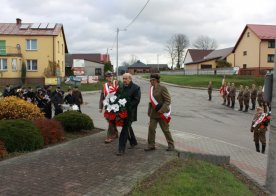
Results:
18 21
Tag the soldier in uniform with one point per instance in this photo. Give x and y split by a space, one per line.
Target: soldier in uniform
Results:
210 89
159 112
240 97
110 87
253 95
246 97
232 95
228 94
259 128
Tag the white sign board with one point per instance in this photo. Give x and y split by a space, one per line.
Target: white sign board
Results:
78 63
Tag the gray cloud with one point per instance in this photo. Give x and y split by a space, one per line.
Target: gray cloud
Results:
90 26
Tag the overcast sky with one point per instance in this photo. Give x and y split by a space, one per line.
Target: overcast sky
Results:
90 25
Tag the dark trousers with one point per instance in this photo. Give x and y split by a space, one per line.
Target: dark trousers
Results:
126 134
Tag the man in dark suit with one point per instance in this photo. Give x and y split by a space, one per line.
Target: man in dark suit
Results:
134 94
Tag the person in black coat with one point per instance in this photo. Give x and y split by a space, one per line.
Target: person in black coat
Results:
134 96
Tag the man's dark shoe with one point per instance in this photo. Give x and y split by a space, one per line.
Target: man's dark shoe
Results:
132 146
120 153
170 148
149 149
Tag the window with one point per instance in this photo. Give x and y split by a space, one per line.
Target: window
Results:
58 46
248 34
244 66
31 65
3 64
244 53
98 71
13 64
2 47
270 58
271 44
62 49
31 44
206 66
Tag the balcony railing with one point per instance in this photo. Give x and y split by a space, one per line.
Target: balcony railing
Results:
10 51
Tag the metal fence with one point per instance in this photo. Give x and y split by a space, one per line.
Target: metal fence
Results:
218 71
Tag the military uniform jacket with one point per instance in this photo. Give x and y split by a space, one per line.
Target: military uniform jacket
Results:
253 94
232 92
240 95
162 96
210 88
246 95
260 96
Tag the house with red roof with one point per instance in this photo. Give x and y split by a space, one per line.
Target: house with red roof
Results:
193 55
40 46
254 51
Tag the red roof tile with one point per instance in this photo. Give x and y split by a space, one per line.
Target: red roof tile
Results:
14 29
264 31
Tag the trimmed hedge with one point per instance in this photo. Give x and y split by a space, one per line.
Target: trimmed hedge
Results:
75 121
20 135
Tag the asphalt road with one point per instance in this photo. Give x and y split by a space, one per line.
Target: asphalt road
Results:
191 113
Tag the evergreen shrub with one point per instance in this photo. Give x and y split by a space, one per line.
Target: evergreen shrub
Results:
75 121
20 135
15 108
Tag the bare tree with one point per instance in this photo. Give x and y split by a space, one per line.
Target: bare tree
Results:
170 48
182 42
205 43
176 47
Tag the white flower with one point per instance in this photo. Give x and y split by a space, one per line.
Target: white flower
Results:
105 102
75 107
109 108
122 102
115 107
113 98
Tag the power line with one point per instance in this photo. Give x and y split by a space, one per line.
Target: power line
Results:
137 15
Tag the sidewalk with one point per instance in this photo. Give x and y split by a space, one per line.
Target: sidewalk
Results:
84 166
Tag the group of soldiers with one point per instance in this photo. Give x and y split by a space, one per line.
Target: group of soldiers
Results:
245 95
44 97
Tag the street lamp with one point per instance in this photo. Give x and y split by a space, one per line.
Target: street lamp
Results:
117 50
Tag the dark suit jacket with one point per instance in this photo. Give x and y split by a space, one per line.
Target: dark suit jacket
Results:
134 94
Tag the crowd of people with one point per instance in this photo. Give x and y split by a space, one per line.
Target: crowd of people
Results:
245 95
45 98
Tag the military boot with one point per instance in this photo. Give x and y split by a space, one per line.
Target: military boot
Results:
263 148
246 109
257 147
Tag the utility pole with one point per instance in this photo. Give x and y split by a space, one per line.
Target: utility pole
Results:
117 52
158 62
271 160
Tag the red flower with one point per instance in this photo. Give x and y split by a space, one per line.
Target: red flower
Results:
106 114
112 116
123 114
119 122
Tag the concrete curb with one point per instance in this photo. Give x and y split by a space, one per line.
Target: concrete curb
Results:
214 159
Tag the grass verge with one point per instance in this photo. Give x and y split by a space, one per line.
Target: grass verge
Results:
203 80
193 177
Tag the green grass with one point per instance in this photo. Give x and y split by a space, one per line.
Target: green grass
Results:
203 80
194 178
